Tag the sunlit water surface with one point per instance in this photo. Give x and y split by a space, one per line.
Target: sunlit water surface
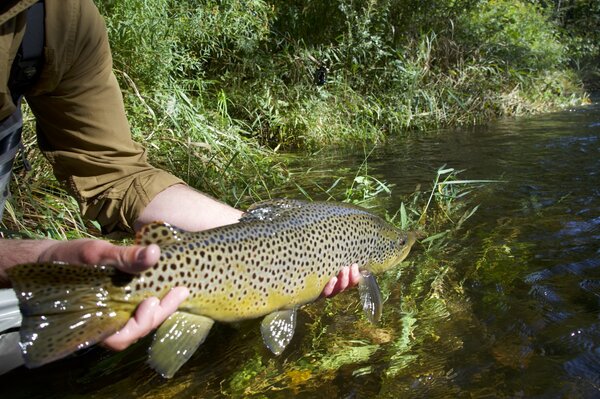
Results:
510 309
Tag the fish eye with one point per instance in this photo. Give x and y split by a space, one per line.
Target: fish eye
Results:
402 241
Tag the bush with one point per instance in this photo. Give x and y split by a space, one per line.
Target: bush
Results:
518 34
248 67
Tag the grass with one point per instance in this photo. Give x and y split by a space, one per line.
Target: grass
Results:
253 74
234 88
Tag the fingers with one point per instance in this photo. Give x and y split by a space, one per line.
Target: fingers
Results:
328 290
150 314
135 328
347 277
130 259
354 276
134 259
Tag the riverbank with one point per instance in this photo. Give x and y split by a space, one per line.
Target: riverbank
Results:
239 81
217 91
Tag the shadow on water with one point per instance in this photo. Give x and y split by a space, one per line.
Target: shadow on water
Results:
509 309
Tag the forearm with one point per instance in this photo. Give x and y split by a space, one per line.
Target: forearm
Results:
14 252
187 209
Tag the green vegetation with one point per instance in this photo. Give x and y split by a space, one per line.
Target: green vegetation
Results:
216 89
249 67
423 297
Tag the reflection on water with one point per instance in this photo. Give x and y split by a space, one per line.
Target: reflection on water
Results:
511 309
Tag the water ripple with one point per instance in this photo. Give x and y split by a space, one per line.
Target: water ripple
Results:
585 366
544 294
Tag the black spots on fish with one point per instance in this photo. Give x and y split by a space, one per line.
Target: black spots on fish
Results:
178 258
155 236
121 279
164 232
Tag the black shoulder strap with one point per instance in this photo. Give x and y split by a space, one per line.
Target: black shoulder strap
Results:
28 63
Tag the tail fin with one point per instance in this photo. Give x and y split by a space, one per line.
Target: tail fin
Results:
67 307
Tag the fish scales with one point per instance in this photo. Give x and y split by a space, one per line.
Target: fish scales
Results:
278 257
249 269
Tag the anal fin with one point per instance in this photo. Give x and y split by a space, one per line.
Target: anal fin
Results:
277 329
176 340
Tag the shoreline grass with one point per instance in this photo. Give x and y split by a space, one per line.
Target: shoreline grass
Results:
236 84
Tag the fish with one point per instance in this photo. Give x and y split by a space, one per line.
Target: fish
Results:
276 258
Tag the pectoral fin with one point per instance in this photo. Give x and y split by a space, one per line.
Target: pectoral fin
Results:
278 329
176 340
370 296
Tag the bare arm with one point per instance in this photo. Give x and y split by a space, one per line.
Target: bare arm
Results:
14 252
187 209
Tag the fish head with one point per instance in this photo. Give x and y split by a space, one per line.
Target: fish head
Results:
392 247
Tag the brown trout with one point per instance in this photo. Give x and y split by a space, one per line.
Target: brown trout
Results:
278 257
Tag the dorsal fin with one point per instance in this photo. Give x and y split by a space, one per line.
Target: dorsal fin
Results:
271 209
158 233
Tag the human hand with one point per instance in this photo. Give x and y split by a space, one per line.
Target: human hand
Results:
151 312
346 278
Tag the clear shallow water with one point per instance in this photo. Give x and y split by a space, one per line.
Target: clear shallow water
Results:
510 309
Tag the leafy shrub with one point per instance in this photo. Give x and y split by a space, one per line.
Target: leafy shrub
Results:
518 34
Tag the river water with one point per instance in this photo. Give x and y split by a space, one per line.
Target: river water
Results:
509 308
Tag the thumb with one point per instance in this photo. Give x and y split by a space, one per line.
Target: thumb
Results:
135 259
